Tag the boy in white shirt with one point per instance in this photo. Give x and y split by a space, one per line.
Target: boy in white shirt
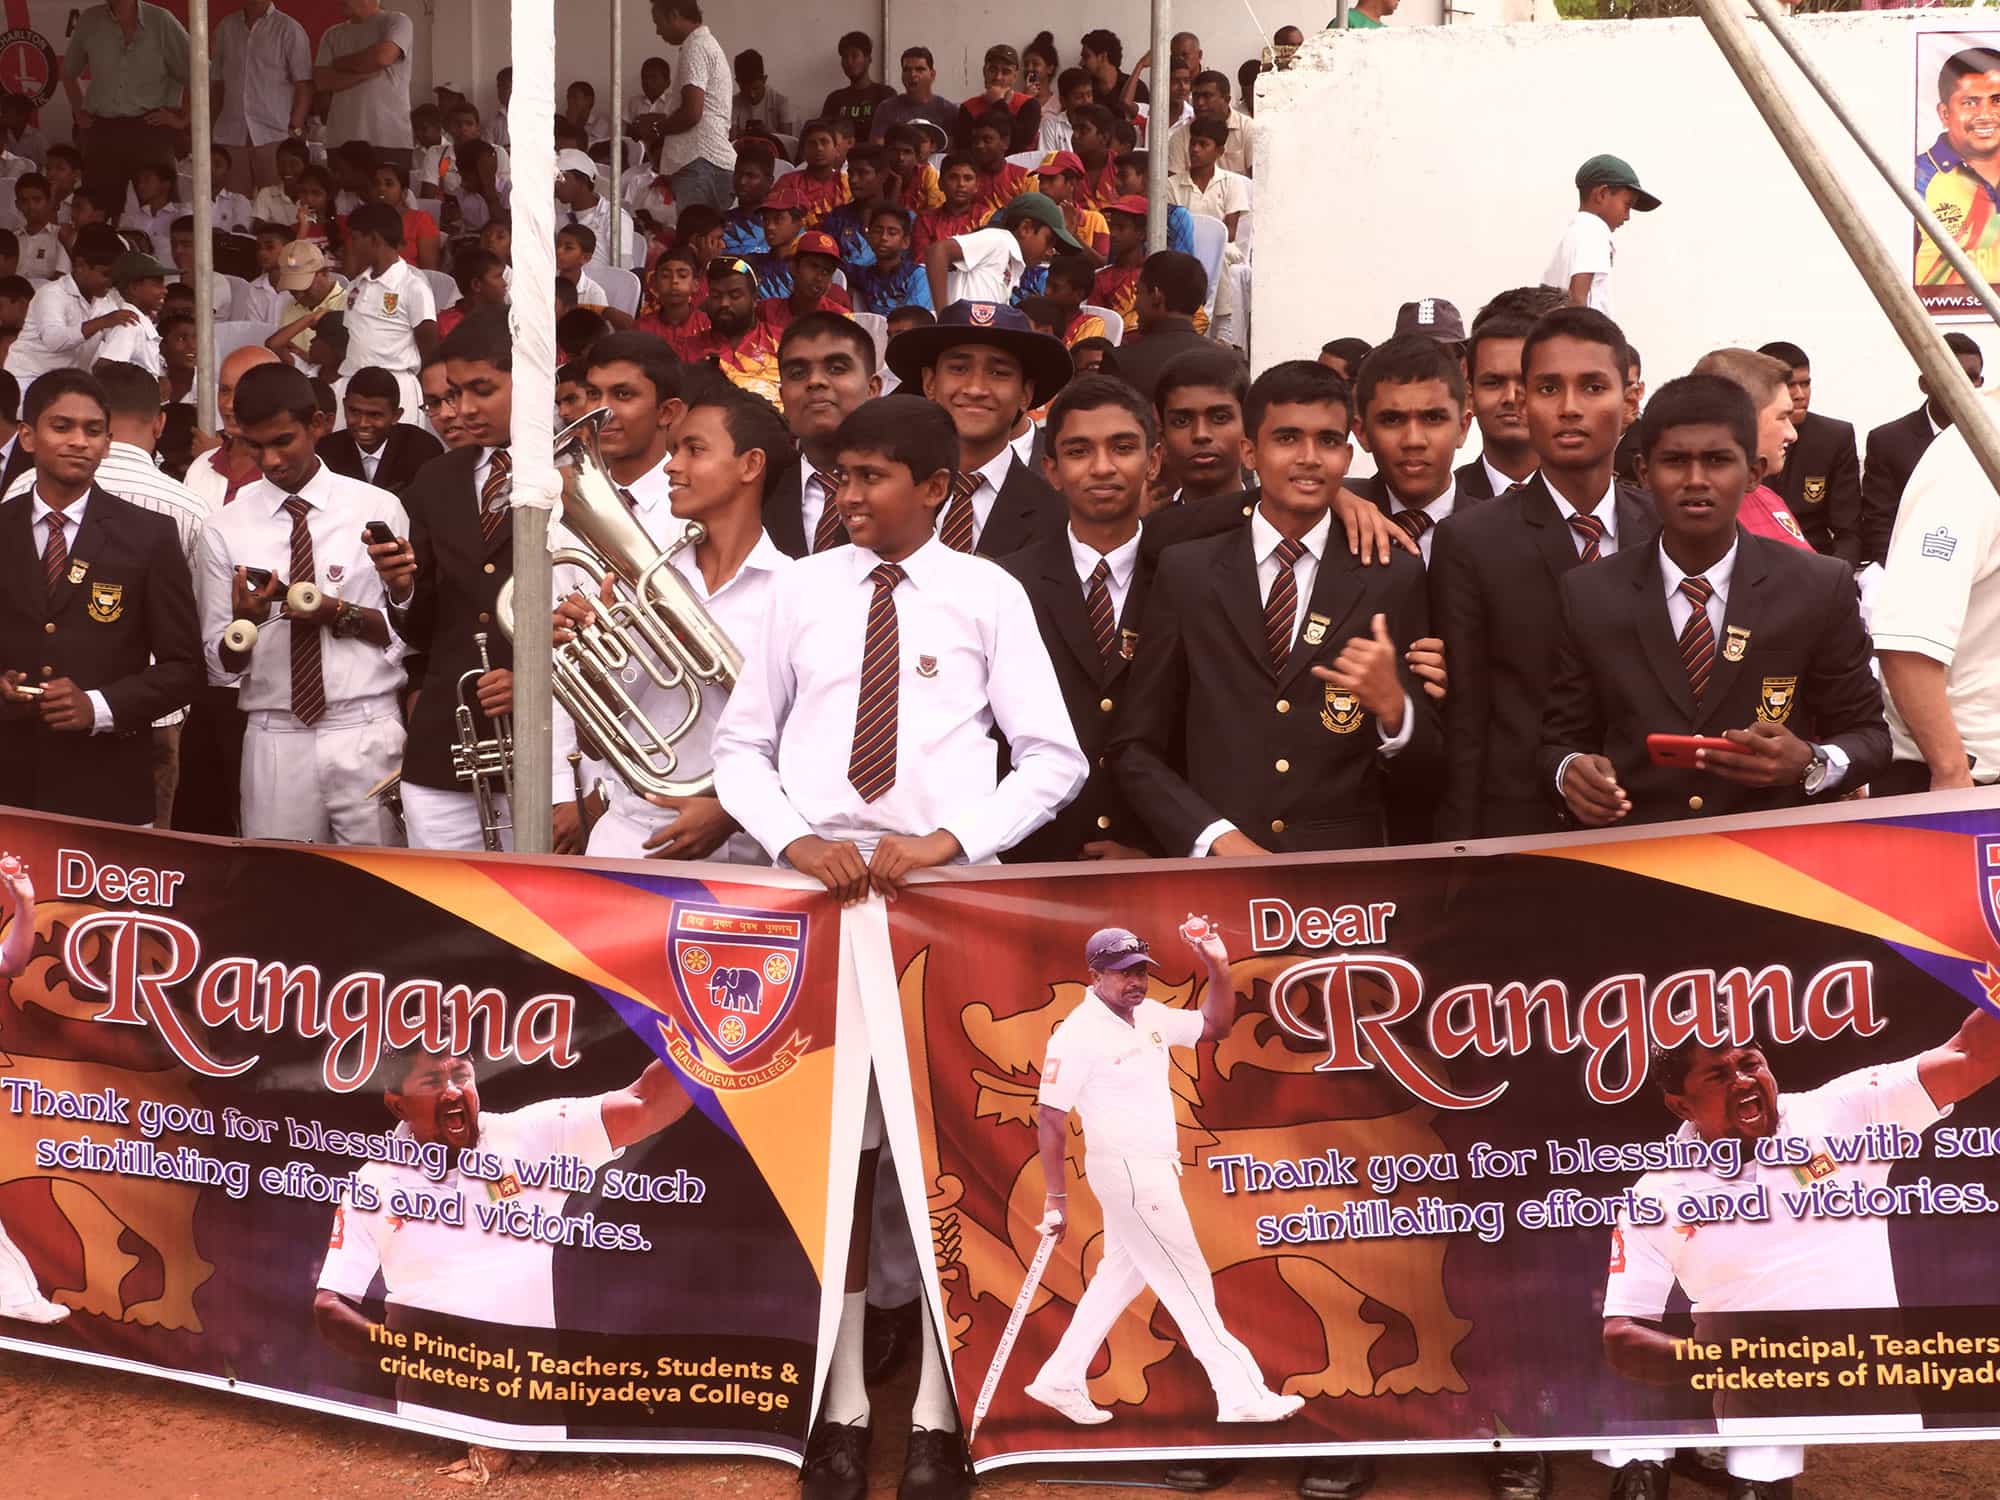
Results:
151 206
42 256
276 202
232 213
988 264
1608 192
575 245
138 282
391 313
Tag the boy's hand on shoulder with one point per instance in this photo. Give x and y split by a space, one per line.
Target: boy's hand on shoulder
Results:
1371 536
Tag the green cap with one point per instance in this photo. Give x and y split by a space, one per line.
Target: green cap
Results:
1615 171
1042 209
133 266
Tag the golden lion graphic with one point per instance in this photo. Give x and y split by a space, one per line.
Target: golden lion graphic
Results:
1332 1279
99 1206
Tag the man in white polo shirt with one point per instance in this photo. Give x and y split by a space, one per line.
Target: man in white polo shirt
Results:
1936 623
433 1272
988 264
1109 1061
391 315
1727 1098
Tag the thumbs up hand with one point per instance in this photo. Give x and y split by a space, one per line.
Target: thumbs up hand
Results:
1366 667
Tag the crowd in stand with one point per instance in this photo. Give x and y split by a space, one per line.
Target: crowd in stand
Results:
988 498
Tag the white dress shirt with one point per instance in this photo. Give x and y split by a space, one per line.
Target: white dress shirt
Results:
133 344
156 223
258 63
1264 540
971 659
42 256
72 521
1500 483
383 314
51 335
1607 512
1124 560
255 531
597 219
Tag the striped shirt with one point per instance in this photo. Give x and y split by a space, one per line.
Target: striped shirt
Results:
130 473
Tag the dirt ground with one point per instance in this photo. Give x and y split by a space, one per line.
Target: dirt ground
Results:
73 1431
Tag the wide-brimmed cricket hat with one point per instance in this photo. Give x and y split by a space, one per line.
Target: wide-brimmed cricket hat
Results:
1044 359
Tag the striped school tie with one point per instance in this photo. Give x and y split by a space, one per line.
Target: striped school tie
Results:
1097 600
308 675
56 554
495 496
871 763
955 530
1282 608
827 533
1414 523
1590 535
1698 636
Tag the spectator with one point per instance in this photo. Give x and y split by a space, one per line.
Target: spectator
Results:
230 212
137 57
177 354
1039 66
276 201
1608 192
391 315
138 284
18 134
377 446
742 344
1209 98
696 157
1066 288
675 314
999 179
420 230
262 64
892 279
866 183
65 173
656 77
364 68
758 109
986 265
67 314
1821 479
580 109
784 215
918 101
810 268
1171 290
317 219
1093 138
1285 44
1060 176
1762 513
857 102
1369 15
1073 91
1117 284
743 225
909 148
1100 54
1894 448
575 244
1000 99
1202 185
39 253
496 123
481 277
576 191
483 193
819 184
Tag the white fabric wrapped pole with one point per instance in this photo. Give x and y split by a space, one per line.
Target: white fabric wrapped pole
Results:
536 488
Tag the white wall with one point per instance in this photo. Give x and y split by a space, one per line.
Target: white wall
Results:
1440 163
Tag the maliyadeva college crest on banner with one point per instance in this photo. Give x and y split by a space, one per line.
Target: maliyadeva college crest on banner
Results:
736 974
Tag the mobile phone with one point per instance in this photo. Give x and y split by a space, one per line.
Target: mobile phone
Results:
257 578
1678 749
380 534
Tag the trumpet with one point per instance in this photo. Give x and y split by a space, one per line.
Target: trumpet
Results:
653 625
486 764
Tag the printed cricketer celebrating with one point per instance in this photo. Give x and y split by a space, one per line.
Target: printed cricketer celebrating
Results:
1108 1061
470 1272
1728 1101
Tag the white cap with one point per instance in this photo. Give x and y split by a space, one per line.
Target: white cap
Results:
576 161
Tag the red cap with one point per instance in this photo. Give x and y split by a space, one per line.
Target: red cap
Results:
816 242
1062 161
787 194
1131 203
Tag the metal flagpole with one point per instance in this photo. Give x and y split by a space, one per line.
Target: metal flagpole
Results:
1160 127
205 373
1888 281
533 436
616 250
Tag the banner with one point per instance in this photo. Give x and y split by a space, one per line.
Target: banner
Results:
1956 135
492 1148
1628 1137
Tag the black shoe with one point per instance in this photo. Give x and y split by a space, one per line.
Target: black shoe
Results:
1519 1476
1337 1478
936 1467
888 1334
836 1466
1640 1480
1759 1489
1199 1475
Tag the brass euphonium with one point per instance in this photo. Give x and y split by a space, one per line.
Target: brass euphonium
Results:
653 623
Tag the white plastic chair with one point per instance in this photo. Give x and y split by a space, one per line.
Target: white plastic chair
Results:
780 168
840 278
620 285
1211 240
1028 159
233 335
878 330
444 291
1114 323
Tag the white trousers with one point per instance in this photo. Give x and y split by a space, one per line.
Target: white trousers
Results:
449 820
1150 1242
310 782
1767 1465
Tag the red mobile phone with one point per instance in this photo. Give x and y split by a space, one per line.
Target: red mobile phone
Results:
1678 749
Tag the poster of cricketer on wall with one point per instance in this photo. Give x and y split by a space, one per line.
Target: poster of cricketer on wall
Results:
492 1148
1957 171
1625 1138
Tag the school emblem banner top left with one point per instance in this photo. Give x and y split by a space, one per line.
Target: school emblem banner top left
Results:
450 1143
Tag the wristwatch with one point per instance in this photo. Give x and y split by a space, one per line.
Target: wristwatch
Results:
346 620
1815 772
